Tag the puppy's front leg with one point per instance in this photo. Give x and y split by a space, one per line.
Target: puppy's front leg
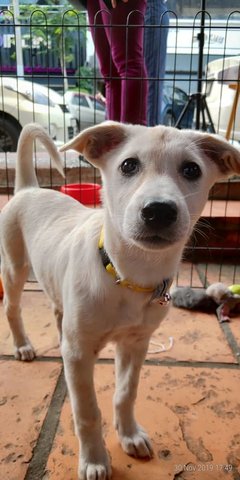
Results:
79 365
129 359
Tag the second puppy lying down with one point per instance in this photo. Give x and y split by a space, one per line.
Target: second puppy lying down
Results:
217 298
155 185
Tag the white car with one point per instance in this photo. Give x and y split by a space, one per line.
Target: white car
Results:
23 102
221 75
87 109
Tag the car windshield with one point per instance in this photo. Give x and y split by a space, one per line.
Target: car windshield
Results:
87 101
80 100
175 94
32 91
39 97
98 105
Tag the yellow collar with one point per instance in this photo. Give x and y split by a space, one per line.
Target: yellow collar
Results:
160 293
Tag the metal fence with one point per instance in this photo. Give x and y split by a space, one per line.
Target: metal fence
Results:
54 53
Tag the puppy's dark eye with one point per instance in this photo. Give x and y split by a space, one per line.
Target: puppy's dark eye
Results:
190 170
130 166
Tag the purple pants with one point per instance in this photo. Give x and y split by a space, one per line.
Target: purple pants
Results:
121 58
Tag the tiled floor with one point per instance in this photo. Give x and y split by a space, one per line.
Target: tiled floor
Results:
189 397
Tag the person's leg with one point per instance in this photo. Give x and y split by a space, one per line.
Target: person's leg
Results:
126 43
106 64
155 49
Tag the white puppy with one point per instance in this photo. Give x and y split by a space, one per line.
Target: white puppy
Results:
155 185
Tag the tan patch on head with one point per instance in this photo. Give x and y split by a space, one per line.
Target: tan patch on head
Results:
95 141
102 141
222 153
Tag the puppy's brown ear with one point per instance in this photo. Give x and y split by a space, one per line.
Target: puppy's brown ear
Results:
222 153
96 141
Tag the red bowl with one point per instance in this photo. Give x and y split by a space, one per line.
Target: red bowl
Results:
86 193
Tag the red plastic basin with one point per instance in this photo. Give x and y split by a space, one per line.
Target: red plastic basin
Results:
86 193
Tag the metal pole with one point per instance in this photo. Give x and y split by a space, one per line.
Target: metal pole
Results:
200 64
18 35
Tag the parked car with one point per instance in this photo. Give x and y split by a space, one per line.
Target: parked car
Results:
23 102
221 75
85 108
88 110
174 100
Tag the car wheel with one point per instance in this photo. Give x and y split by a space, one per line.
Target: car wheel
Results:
9 134
169 119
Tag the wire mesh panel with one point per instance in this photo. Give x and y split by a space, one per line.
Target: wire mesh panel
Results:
50 74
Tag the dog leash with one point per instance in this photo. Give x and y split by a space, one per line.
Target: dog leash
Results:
160 294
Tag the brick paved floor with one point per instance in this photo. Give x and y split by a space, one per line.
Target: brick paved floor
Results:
189 397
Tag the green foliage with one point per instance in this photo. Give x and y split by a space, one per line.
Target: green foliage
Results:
85 79
53 27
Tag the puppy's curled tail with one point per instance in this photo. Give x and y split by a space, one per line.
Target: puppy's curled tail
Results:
25 171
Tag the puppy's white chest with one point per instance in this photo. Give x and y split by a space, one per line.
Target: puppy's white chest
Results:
133 310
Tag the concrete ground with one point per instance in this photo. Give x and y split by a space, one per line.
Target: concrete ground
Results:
189 397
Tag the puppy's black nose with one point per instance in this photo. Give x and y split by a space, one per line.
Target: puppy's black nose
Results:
159 214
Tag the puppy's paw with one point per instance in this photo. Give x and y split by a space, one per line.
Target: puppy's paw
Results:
26 353
95 470
137 444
